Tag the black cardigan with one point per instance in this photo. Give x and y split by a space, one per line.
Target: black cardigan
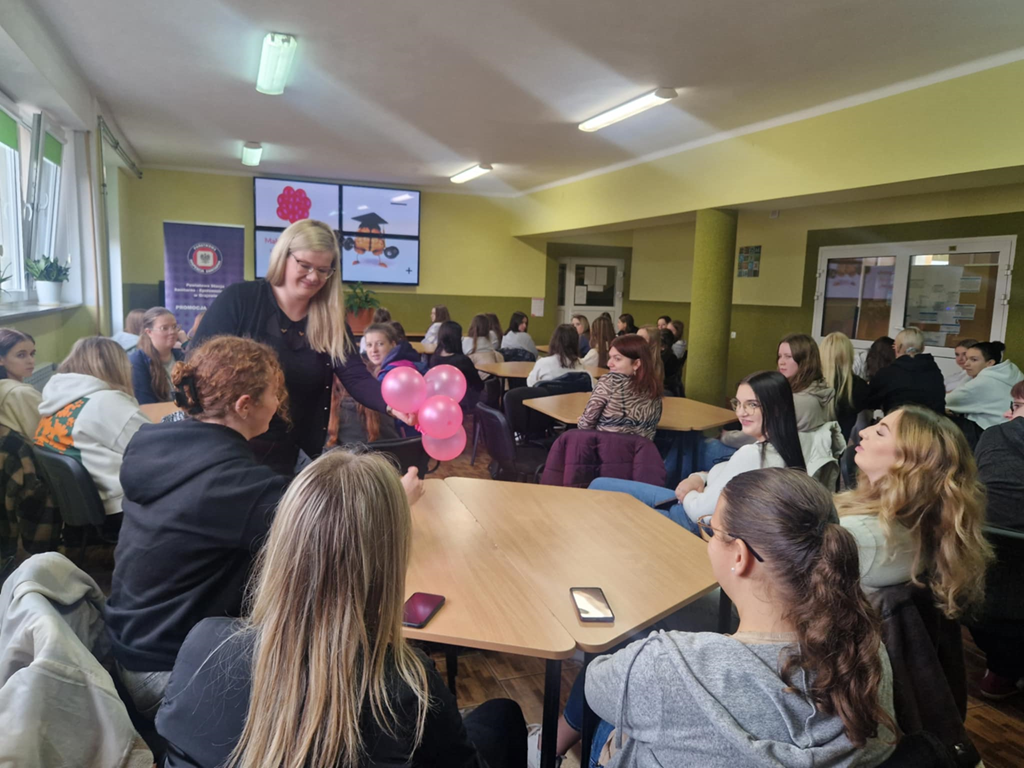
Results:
250 309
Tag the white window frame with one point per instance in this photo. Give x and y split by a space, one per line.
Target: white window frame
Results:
13 243
1005 246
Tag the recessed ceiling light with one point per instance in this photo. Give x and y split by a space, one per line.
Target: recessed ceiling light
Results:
471 173
276 63
252 151
630 108
401 198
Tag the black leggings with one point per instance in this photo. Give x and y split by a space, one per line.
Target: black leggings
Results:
498 730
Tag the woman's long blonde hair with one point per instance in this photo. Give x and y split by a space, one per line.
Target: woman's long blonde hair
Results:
103 358
933 491
326 618
837 367
325 328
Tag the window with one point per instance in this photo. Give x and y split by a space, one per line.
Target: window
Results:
950 289
47 202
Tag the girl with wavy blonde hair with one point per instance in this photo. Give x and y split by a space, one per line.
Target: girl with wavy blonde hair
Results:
918 509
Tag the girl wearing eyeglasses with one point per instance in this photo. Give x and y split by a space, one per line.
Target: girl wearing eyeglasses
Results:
764 407
155 356
804 680
298 310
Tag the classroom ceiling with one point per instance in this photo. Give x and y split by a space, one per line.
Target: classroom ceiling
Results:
411 93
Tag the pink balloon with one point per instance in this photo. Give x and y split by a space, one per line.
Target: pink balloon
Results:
440 417
446 380
446 449
404 389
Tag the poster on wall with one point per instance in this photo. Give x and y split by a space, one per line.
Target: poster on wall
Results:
750 261
200 261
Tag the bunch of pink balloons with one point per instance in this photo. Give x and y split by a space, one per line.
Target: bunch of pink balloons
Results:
435 399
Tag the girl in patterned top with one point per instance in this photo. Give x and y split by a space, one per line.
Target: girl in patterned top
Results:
628 399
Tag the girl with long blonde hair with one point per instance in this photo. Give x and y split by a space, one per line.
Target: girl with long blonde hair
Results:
851 391
299 312
318 673
918 509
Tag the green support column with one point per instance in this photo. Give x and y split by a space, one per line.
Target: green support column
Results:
714 253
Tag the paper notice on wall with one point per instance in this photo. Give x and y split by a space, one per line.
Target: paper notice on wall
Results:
950 328
600 277
581 294
934 339
537 307
970 283
589 276
964 311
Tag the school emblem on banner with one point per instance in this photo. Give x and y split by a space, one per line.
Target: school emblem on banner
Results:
205 258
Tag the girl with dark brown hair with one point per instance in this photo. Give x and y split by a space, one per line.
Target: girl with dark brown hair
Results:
601 336
800 363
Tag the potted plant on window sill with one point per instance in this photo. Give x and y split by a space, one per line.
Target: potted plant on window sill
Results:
49 276
359 305
4 277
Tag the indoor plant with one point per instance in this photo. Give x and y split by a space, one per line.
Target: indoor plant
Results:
4 277
49 274
359 305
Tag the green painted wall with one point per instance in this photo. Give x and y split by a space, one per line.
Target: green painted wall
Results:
57 331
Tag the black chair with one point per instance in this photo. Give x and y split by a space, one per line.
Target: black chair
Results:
517 355
998 629
406 452
920 750
525 423
75 492
491 396
508 461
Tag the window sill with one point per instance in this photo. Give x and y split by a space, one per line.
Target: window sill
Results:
22 310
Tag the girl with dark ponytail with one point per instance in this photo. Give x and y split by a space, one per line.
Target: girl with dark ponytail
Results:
805 679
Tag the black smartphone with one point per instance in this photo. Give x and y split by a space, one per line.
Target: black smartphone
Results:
420 608
591 604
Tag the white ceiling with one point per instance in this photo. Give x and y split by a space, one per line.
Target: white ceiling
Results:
410 93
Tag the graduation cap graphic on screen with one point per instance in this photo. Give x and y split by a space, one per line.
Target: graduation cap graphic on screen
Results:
371 224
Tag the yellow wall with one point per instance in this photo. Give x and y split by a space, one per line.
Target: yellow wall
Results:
56 332
466 245
662 266
958 126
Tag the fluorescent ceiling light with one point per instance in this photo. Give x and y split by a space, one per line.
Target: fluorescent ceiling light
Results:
630 108
471 173
401 198
252 151
363 207
276 63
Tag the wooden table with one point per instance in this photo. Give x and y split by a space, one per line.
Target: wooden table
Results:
543 348
557 538
678 414
156 411
423 349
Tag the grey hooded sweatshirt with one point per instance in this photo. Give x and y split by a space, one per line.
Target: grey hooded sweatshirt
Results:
710 700
814 406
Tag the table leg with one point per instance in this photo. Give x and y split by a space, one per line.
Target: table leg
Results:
590 718
552 700
451 662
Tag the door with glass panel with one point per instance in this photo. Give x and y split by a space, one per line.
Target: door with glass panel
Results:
588 287
950 289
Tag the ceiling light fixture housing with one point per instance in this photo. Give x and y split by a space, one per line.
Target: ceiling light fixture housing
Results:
276 63
252 151
471 173
630 108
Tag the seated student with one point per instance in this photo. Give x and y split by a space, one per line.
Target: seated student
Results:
193 524
318 673
960 375
650 334
983 398
494 329
881 353
664 322
601 337
19 402
851 390
380 315
478 337
679 345
582 326
918 508
129 337
628 399
671 364
626 325
154 359
1000 457
563 357
813 399
89 413
449 352
517 337
406 351
438 315
911 378
764 407
804 681
384 351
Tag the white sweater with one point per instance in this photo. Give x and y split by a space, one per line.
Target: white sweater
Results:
746 459
548 368
884 561
519 340
984 398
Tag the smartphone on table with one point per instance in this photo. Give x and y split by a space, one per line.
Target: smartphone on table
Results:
420 608
591 604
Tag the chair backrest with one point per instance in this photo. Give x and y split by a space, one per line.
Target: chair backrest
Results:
523 420
579 456
407 451
517 355
492 392
1004 600
567 383
498 440
73 488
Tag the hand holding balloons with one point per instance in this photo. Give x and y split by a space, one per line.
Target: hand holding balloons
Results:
432 403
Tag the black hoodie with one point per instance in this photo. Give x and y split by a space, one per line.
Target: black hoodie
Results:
1000 455
196 508
908 380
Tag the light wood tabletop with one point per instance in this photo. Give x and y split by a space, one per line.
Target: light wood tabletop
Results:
543 348
488 604
522 370
559 538
156 411
678 414
423 349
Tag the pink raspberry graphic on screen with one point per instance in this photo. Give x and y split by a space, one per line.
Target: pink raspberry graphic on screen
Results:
293 204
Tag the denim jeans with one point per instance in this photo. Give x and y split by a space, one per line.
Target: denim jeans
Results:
573 715
145 688
713 451
661 499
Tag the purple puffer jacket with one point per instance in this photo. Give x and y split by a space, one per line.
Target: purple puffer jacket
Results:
580 455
